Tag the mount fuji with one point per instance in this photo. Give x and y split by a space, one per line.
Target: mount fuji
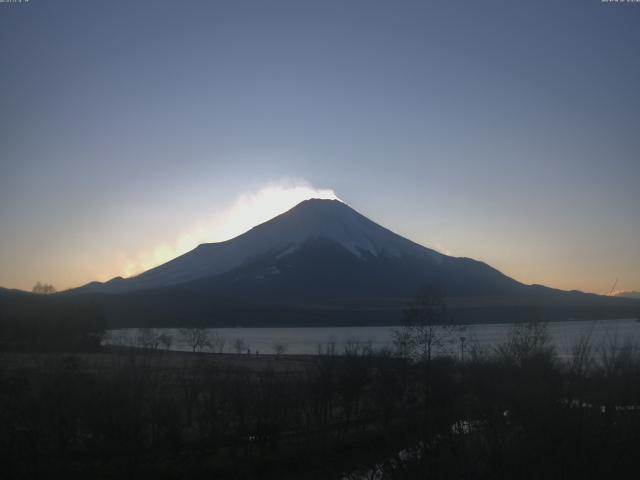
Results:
319 263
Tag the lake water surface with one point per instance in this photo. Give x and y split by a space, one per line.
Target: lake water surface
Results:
309 340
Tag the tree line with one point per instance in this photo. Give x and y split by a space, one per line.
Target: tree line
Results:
515 410
31 322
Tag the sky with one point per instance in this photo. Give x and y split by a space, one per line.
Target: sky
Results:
508 132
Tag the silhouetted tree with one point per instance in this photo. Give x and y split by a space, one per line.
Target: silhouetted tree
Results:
425 332
216 342
527 342
196 338
43 288
166 340
426 327
239 345
279 349
148 338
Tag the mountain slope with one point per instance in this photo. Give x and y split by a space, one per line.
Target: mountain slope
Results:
330 220
323 263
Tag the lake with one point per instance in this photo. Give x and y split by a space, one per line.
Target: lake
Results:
309 340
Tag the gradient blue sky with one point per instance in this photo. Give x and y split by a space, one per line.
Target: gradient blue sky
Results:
504 131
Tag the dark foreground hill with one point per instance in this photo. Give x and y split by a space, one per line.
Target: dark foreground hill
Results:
31 322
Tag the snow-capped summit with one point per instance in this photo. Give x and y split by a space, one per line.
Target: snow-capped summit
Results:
330 220
310 220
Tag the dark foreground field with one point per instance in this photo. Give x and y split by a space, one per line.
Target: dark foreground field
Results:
515 412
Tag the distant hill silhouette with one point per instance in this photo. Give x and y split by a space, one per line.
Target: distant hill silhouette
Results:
323 263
